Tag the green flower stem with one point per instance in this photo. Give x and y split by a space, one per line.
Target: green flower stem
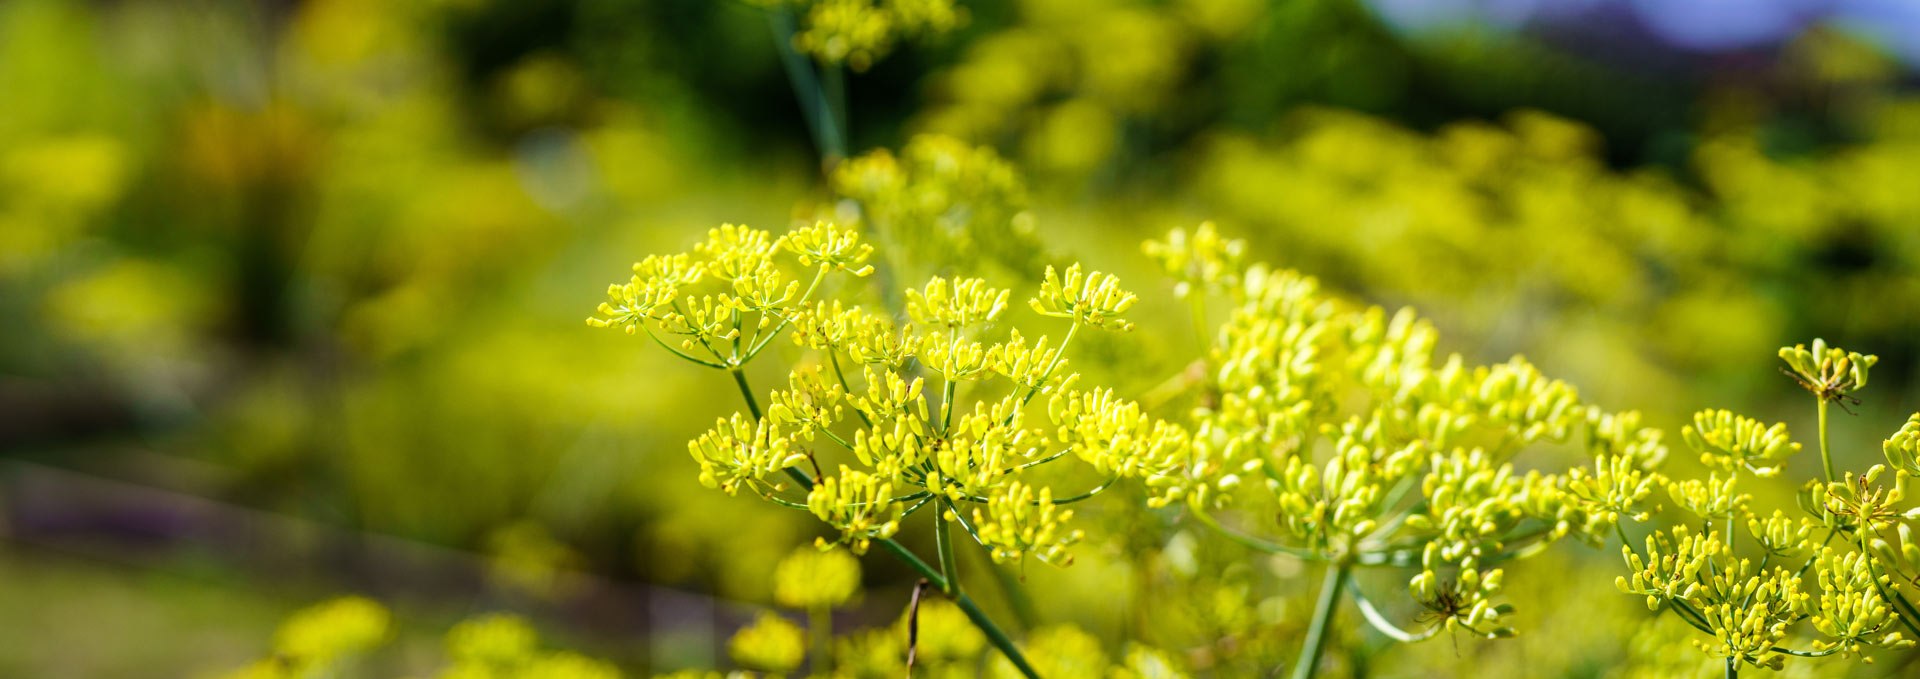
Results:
1826 458
1062 501
814 104
961 519
1733 668
1692 617
943 541
735 357
820 629
1041 461
995 635
1251 542
1385 626
946 406
833 80
1394 496
1910 616
746 392
1197 308
677 352
1323 611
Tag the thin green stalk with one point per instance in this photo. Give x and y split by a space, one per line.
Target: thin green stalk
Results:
1387 627
995 636
1323 611
814 105
1011 590
1197 308
1692 617
1733 668
834 83
1826 458
746 392
820 628
946 406
943 541
1249 541
677 352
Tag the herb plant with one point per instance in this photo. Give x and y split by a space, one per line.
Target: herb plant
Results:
866 453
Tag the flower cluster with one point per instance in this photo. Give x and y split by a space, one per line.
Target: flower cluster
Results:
751 299
1371 450
772 643
1828 372
879 442
859 32
942 202
812 578
936 634
1752 611
322 640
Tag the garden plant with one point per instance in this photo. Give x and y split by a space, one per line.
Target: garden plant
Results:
1119 339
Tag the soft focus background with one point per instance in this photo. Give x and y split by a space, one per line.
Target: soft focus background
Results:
292 291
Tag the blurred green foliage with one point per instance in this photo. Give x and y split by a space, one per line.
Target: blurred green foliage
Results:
326 259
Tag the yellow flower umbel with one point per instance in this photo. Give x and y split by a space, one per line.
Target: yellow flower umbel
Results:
1727 441
913 448
1902 449
1019 522
1091 299
1750 610
859 504
859 32
1828 372
1201 262
1340 435
811 578
323 639
772 644
956 303
832 245
754 297
945 205
740 451
1852 611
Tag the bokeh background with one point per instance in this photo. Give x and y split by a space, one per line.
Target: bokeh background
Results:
291 291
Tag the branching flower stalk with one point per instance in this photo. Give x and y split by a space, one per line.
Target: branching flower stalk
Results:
1751 612
889 449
